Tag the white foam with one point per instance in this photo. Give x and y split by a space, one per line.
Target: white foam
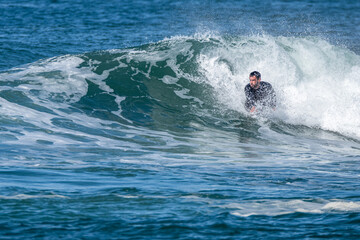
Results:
126 196
270 207
55 76
342 206
27 196
169 80
317 84
60 75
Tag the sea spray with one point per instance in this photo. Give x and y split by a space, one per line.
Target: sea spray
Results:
317 83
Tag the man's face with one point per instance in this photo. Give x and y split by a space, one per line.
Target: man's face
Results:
254 83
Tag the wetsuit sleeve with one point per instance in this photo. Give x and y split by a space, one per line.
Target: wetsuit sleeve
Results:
250 98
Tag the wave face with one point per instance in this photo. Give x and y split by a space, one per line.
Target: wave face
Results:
178 82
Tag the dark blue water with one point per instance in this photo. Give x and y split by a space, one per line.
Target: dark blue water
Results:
125 120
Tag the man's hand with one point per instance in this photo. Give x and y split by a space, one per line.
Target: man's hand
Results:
252 109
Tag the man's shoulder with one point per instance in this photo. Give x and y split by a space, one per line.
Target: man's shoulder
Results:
265 85
247 87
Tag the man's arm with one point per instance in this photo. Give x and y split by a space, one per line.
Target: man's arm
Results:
272 98
250 100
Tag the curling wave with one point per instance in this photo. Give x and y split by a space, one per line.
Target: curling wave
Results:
173 83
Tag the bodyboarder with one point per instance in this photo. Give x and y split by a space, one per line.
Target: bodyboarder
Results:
259 95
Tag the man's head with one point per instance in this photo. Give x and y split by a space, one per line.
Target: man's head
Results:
255 78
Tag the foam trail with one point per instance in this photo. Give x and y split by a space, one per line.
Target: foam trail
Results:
27 196
282 207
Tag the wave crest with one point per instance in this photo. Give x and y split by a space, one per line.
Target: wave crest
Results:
183 79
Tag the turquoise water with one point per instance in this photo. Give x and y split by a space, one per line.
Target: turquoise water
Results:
126 120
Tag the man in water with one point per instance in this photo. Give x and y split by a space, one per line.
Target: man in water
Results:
259 94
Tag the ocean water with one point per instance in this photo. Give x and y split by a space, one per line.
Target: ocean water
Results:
125 120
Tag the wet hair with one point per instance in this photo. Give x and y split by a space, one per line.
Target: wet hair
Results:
256 74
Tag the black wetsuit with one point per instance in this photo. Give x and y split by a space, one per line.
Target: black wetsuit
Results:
264 96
